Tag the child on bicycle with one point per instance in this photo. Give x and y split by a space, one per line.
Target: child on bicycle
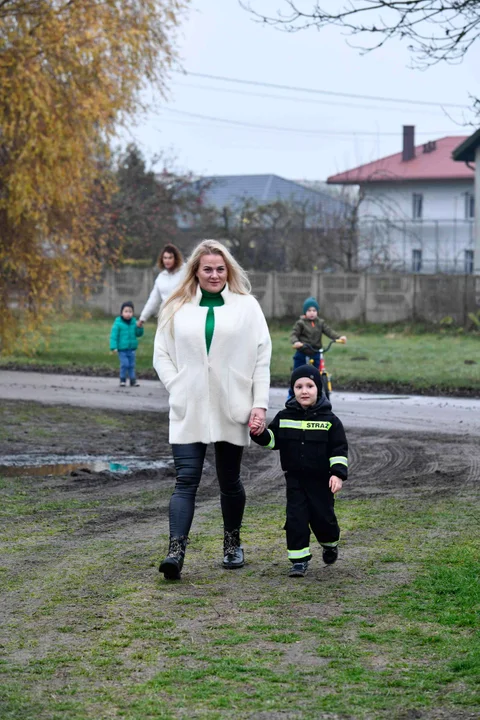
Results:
306 336
313 453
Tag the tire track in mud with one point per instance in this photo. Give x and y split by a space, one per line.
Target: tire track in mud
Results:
369 458
473 475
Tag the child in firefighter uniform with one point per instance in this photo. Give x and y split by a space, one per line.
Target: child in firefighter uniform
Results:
313 453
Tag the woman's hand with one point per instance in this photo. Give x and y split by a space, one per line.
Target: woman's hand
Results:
257 421
140 323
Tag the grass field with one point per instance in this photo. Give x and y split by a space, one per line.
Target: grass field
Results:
91 631
395 357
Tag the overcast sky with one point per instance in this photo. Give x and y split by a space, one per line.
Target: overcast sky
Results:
321 134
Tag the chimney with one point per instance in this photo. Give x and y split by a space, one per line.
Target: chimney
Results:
408 152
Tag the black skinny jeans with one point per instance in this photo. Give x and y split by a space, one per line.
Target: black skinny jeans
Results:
188 461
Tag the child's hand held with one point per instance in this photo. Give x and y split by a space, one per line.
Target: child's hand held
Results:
335 484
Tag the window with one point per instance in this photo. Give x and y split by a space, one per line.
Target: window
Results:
469 206
416 261
417 206
468 262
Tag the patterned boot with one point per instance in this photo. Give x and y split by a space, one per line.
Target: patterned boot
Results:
171 567
232 550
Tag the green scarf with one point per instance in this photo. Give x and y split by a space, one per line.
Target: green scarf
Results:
210 300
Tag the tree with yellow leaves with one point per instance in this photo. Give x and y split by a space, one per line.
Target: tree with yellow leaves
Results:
70 72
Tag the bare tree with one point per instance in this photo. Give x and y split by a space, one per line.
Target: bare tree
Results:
290 235
436 30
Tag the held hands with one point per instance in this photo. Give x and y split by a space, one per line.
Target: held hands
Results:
257 421
140 323
335 484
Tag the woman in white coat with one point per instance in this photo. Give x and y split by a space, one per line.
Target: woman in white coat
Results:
172 272
212 353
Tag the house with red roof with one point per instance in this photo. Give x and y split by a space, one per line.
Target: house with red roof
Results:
416 208
468 152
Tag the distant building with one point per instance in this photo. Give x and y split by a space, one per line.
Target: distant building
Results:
468 152
231 191
274 223
417 208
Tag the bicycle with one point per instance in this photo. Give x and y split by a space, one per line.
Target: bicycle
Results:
310 352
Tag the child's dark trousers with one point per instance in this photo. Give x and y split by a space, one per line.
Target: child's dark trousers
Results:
310 507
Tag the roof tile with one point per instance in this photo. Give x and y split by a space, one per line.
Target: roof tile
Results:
436 164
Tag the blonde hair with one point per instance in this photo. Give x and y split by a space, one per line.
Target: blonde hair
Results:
237 278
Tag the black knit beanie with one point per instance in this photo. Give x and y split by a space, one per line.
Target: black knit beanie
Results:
127 303
308 371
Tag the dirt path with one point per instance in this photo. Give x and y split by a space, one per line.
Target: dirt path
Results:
407 413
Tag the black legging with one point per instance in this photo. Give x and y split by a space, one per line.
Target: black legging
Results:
188 461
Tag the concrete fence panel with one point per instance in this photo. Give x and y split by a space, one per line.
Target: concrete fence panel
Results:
388 298
342 297
440 296
290 290
262 289
116 286
373 298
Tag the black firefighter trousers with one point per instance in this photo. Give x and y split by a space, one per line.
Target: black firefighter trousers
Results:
310 507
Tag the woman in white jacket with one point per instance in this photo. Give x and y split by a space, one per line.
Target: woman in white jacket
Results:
212 353
172 272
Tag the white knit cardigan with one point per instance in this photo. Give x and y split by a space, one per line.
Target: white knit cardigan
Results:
211 396
166 282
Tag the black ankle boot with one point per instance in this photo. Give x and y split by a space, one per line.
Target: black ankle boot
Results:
232 550
171 567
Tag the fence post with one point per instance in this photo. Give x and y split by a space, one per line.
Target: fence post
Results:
319 293
365 296
267 304
110 282
274 292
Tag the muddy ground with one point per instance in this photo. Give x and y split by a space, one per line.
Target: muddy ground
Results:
381 462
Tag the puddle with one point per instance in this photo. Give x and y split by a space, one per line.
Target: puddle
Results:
43 465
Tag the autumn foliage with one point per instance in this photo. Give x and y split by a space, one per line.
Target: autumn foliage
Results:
69 73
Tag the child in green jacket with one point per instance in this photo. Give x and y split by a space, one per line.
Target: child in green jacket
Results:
123 340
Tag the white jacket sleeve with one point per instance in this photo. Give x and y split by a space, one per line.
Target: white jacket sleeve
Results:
153 303
164 360
261 374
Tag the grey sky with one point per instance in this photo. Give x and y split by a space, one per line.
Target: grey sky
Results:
220 38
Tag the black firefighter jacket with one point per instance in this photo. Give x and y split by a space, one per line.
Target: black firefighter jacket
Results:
311 441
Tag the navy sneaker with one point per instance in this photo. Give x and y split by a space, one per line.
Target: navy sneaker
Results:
299 569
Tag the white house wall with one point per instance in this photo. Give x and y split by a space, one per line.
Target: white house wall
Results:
389 234
441 201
